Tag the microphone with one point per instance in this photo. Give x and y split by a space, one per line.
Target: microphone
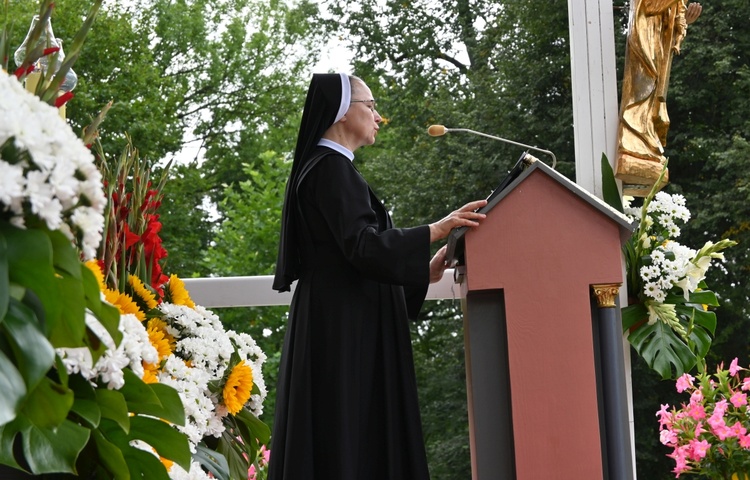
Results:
440 130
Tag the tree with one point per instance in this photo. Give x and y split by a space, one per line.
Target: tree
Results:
513 80
228 74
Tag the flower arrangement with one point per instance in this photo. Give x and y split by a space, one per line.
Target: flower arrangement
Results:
668 320
709 434
110 357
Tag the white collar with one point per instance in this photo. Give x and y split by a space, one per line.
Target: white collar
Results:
324 142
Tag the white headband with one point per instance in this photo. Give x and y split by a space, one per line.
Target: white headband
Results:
346 96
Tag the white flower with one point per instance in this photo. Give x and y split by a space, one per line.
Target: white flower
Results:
60 173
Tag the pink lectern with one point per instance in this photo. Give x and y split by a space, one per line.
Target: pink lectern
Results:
544 361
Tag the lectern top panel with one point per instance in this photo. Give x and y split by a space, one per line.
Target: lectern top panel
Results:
455 238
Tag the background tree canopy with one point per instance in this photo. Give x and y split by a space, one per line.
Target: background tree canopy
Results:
231 76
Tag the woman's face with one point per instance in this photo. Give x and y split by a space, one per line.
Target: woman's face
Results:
362 119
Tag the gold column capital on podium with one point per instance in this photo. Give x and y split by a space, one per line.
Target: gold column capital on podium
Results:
606 293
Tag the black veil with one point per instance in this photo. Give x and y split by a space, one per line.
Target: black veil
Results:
327 101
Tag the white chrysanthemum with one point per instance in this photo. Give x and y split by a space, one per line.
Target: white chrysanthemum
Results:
195 473
61 171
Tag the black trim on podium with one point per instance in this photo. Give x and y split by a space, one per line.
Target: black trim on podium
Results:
612 389
488 380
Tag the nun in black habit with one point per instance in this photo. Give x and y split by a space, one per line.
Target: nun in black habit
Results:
346 401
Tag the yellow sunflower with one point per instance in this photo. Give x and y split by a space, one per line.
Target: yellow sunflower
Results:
142 292
93 265
162 341
149 372
124 303
179 293
238 387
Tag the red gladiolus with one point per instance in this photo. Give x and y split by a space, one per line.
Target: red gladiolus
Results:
21 71
50 50
62 99
130 237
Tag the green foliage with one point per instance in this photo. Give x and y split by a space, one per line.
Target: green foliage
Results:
47 418
441 376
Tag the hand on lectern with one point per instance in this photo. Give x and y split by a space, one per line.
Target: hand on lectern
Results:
466 216
438 265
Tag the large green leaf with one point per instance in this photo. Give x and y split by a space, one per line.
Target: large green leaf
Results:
165 439
48 404
141 464
111 457
704 325
65 257
113 406
662 349
610 192
30 265
12 390
69 328
632 315
46 450
107 315
259 429
700 297
144 465
4 280
213 461
8 433
33 353
157 400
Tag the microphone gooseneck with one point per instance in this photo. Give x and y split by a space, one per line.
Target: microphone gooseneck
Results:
439 130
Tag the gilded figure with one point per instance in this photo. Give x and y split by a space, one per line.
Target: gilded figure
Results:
655 33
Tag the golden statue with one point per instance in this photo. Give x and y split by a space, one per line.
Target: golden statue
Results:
655 32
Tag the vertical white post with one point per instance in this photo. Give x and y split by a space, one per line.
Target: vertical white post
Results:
596 113
594 75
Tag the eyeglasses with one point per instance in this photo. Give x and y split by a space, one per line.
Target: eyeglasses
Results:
372 103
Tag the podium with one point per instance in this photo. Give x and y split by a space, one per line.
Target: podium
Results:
543 340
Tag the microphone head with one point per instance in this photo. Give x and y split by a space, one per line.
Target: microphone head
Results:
436 130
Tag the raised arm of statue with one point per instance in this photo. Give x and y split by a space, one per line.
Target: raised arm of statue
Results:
656 31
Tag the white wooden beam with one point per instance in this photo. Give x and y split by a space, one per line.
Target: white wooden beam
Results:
594 78
218 292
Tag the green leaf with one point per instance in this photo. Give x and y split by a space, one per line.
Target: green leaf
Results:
65 257
4 280
632 315
704 325
107 315
237 463
213 461
85 403
33 353
610 192
68 330
8 433
165 439
12 390
48 404
53 450
701 297
144 465
157 400
113 406
662 349
29 254
111 457
259 429
171 408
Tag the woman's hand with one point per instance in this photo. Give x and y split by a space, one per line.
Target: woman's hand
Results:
438 265
463 217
